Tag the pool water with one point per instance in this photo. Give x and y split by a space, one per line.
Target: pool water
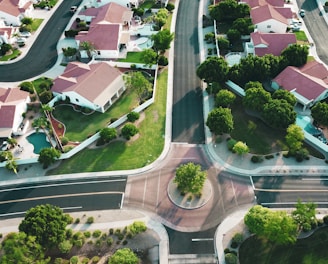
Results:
39 141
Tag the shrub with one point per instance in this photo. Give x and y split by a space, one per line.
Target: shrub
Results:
117 231
231 258
162 60
65 246
320 222
120 236
85 260
133 116
27 87
170 7
98 243
231 143
111 231
226 250
306 227
103 236
325 219
234 244
69 233
87 234
124 242
238 238
256 159
95 259
77 220
96 233
133 67
269 157
74 260
71 33
129 130
58 261
90 220
137 227
64 141
109 241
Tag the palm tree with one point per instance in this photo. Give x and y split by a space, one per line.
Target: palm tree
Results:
12 142
10 161
88 47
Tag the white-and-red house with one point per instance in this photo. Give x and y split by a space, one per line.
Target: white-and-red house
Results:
271 19
269 43
95 86
308 83
12 11
13 103
108 31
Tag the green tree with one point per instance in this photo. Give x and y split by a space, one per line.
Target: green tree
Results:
240 148
295 55
137 82
47 223
256 98
133 116
88 47
4 48
162 40
230 258
252 84
20 248
190 178
294 138
276 226
304 214
243 25
220 121
224 98
223 43
27 86
213 69
319 113
279 113
69 52
129 130
149 56
161 17
48 156
228 10
285 95
107 134
233 35
123 256
12 142
45 97
65 246
27 20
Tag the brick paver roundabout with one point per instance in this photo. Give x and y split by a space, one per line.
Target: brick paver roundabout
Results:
189 201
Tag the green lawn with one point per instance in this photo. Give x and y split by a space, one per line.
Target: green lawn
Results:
133 57
12 56
38 82
311 250
36 23
120 155
147 4
79 126
301 36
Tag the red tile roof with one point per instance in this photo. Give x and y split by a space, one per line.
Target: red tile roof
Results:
255 3
271 43
11 95
7 116
267 12
12 7
101 41
88 81
310 81
113 13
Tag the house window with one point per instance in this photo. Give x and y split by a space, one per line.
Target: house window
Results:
77 100
268 26
98 52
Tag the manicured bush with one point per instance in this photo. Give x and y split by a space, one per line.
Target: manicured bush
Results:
162 60
234 244
109 241
124 242
27 87
120 236
238 238
74 260
226 250
117 231
137 227
95 259
96 233
133 116
231 143
87 234
269 157
104 236
129 130
256 159
85 260
111 231
231 258
77 220
65 246
98 243
64 141
170 7
69 233
90 220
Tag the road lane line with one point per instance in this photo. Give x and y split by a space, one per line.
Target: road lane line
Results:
59 184
57 196
201 239
64 208
300 190
291 203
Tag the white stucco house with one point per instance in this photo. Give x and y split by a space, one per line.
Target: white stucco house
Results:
95 86
308 83
270 19
13 103
108 30
12 11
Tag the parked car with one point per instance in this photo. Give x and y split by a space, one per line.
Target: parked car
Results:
295 28
302 12
4 146
73 9
24 34
296 22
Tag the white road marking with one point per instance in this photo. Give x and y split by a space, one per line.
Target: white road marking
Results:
291 203
300 190
59 184
19 213
201 239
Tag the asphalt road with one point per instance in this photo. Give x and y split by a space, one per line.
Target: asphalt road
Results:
284 192
317 27
187 116
82 195
43 53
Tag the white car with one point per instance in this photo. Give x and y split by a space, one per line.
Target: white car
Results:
24 34
294 27
302 13
296 22
4 146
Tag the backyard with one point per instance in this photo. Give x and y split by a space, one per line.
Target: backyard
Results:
311 250
125 155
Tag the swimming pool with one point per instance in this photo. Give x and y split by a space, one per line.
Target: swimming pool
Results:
39 141
146 30
146 44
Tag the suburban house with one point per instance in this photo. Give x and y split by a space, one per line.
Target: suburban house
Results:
12 11
269 43
13 103
308 83
95 86
270 19
7 34
108 31
256 3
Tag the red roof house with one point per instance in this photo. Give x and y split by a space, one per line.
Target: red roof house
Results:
270 43
12 11
308 83
13 103
95 86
